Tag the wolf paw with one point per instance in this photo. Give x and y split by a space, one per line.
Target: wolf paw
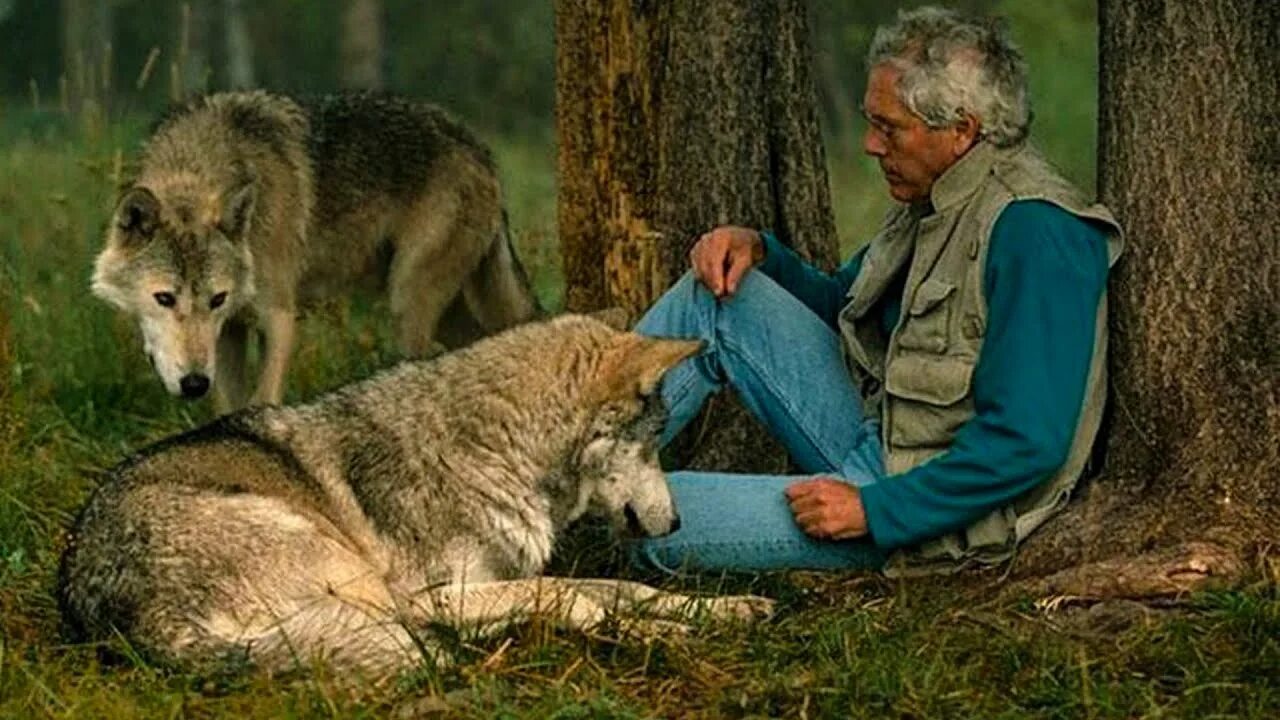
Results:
743 607
648 629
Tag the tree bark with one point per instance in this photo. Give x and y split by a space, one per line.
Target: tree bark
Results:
1188 155
672 118
362 45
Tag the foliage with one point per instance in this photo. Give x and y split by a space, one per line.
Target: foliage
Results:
493 62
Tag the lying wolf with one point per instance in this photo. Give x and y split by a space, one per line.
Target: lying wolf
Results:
249 206
430 493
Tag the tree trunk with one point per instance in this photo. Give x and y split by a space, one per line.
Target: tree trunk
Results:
362 49
239 46
86 54
189 74
672 118
1187 160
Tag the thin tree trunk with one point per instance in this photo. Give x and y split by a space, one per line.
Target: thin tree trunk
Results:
239 46
1187 160
362 45
673 118
190 74
86 54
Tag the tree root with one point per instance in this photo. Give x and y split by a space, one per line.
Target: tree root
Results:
1160 574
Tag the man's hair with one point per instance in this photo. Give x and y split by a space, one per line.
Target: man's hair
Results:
953 64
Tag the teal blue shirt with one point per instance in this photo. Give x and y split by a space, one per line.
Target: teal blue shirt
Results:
1046 270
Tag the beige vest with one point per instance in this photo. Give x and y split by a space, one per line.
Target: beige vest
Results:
918 379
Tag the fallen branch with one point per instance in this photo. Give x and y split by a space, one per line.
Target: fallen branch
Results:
1173 571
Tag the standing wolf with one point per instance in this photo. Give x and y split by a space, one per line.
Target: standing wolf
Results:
430 493
249 206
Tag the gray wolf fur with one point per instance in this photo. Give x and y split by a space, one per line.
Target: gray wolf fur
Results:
431 493
250 206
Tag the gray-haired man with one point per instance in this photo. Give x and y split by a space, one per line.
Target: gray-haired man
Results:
944 387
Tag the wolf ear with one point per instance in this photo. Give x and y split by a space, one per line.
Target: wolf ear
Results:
237 209
137 215
615 317
640 362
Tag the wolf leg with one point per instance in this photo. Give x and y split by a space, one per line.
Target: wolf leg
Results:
576 604
490 607
229 391
348 635
294 594
498 292
435 251
638 598
278 328
214 580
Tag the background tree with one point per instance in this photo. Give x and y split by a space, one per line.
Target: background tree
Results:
1188 148
362 46
673 118
239 46
192 67
86 52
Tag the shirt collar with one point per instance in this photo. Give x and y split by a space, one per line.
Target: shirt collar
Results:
964 176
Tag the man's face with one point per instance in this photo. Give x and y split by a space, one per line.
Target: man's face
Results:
911 154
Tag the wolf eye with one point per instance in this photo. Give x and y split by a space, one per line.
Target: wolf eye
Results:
166 299
216 301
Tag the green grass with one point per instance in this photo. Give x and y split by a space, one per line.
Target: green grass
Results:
76 395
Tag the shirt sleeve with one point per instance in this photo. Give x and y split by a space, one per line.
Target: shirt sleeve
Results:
823 293
1046 271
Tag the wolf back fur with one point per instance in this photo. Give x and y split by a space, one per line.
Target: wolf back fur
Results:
250 206
430 493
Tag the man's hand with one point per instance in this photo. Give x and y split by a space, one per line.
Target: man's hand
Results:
721 257
827 508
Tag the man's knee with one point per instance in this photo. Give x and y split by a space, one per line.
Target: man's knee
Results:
688 308
759 302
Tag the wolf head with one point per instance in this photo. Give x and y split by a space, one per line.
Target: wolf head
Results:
618 464
181 268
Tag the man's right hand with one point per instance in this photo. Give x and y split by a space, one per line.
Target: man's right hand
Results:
723 256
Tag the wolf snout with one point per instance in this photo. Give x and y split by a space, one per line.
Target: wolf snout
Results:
194 385
636 528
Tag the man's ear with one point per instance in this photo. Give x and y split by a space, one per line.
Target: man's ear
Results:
636 363
137 215
237 210
965 134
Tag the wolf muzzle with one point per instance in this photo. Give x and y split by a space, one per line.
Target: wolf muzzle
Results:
636 529
194 385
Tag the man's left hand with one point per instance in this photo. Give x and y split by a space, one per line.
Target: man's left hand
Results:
827 508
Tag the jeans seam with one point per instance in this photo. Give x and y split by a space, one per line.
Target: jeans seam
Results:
775 542
783 401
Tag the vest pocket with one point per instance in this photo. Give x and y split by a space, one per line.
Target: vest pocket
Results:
931 398
928 317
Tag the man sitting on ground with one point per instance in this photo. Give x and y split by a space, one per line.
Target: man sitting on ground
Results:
942 389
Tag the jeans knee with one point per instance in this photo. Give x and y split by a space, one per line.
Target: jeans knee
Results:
758 300
684 310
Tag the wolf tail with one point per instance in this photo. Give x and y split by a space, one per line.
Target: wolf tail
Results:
498 294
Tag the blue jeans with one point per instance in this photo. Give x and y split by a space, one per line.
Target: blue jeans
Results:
786 365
